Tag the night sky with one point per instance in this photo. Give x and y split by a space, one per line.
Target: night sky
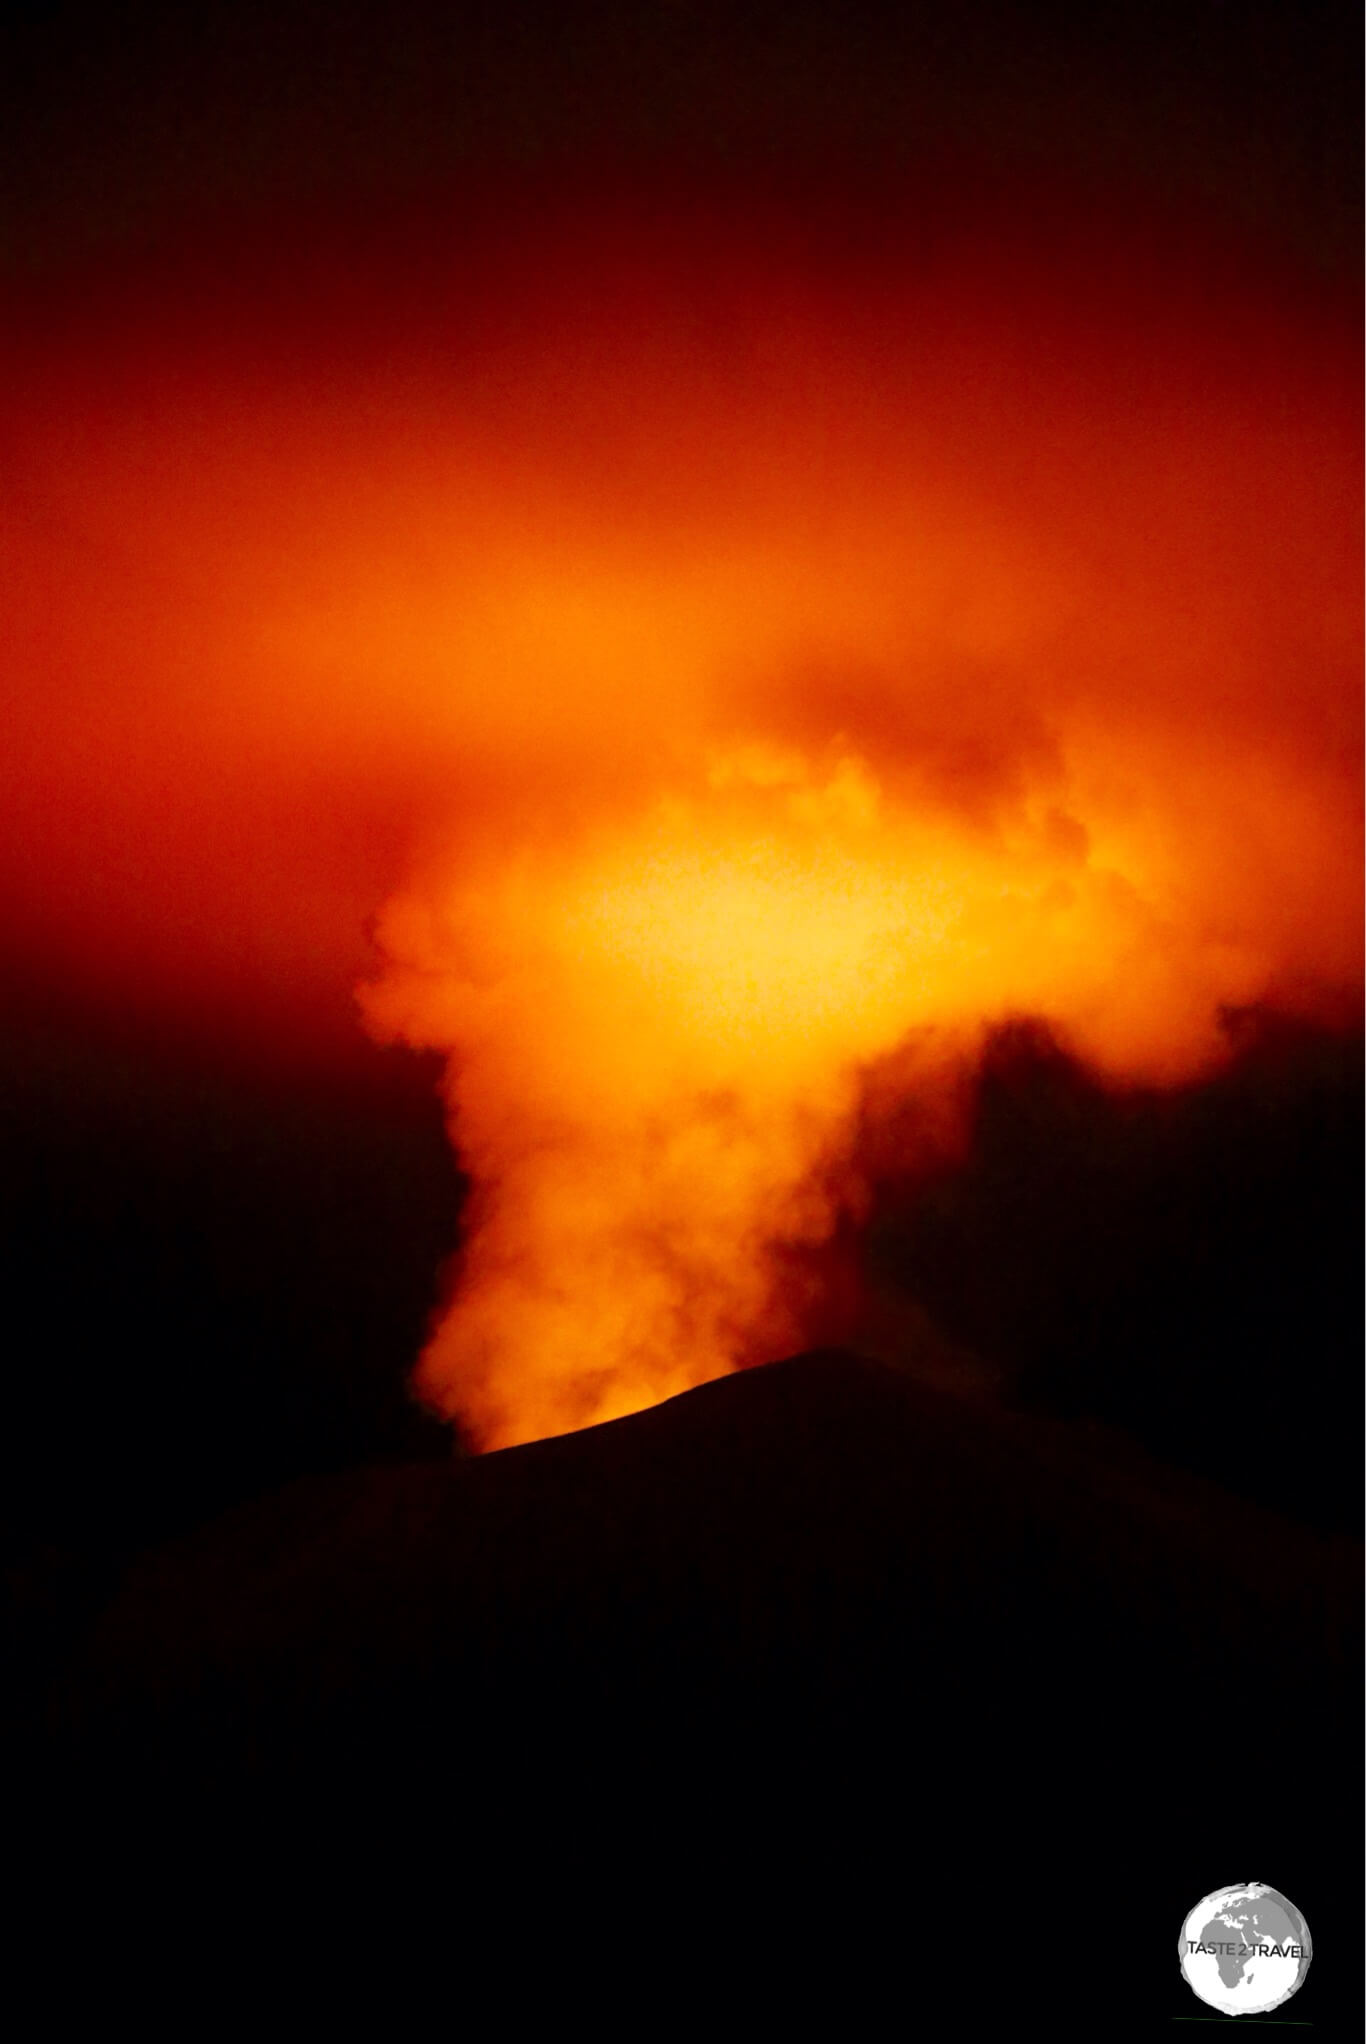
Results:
245 251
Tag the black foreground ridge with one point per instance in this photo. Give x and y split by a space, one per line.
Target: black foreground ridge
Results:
810 1611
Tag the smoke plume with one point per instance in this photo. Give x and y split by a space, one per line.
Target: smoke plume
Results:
723 664
819 738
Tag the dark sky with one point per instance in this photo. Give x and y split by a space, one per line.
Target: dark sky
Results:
126 125
168 1197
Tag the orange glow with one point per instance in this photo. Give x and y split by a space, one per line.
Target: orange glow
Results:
711 683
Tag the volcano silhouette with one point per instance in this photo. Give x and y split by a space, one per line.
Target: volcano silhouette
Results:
810 1613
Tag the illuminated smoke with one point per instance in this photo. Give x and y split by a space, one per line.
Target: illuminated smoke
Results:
756 676
657 1029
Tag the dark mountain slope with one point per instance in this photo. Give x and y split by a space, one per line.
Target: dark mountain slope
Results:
811 1618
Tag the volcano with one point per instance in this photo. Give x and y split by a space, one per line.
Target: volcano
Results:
788 1622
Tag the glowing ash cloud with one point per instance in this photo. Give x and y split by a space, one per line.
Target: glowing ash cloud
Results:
657 1030
729 665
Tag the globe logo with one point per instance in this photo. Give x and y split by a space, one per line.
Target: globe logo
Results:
1245 1950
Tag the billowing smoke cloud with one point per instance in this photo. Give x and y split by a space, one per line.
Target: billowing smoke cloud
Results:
871 746
775 672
